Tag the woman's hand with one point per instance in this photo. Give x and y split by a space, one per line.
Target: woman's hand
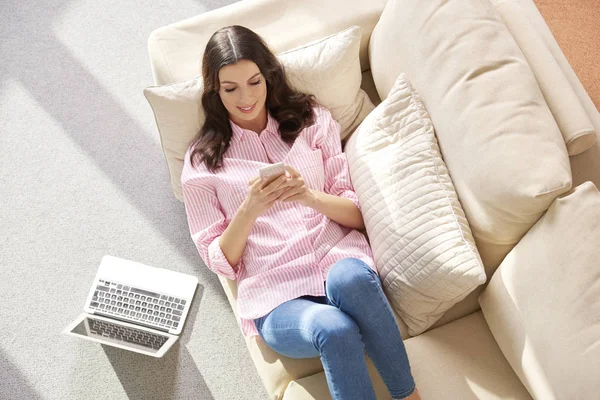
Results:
260 198
296 189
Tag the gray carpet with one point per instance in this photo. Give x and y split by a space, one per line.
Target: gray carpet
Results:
83 175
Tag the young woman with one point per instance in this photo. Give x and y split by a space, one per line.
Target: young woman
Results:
307 282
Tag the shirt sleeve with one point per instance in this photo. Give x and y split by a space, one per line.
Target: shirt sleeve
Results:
335 163
207 223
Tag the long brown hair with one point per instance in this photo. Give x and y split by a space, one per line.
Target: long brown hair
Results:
292 109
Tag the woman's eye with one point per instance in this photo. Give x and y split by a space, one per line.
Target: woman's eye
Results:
252 83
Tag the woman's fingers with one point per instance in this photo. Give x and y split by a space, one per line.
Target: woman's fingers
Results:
274 195
292 171
290 193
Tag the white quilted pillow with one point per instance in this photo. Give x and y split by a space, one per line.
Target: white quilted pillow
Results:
421 240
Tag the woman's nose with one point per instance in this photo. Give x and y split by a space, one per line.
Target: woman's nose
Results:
245 96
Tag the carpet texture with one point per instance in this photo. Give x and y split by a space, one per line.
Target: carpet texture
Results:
575 25
83 175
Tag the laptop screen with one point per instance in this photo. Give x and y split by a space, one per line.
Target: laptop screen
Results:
109 333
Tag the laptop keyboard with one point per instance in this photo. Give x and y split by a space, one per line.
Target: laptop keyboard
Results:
141 305
126 334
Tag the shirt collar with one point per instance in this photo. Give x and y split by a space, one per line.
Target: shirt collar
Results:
239 132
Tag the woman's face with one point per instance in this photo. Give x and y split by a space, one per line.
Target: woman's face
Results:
243 91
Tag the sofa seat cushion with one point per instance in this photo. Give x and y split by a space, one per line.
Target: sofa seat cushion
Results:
459 360
502 146
314 387
543 302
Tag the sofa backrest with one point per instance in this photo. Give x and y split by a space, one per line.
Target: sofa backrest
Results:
176 49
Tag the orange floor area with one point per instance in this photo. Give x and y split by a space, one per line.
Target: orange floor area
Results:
576 26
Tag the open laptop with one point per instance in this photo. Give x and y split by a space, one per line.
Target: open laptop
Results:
135 307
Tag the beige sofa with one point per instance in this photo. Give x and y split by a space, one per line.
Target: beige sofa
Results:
494 344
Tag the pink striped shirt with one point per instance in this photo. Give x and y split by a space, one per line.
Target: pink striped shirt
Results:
291 247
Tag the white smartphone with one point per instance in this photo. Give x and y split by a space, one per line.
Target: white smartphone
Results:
271 172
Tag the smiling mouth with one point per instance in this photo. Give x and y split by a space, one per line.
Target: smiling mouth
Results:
247 109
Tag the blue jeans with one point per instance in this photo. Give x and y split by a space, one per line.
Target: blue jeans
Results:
354 316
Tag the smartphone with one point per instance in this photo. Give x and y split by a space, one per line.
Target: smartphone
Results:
271 172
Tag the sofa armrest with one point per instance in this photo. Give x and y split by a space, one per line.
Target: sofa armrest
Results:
585 166
573 121
543 303
176 49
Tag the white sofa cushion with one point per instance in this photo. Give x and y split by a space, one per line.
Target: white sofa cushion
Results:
460 361
502 146
421 240
329 68
543 303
